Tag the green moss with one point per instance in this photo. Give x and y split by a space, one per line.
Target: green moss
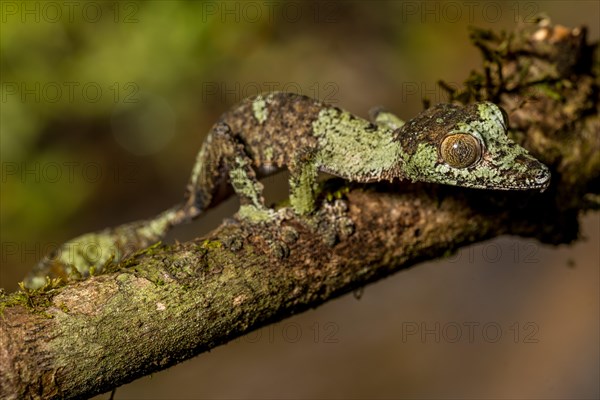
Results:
152 273
211 244
132 264
156 248
35 300
133 259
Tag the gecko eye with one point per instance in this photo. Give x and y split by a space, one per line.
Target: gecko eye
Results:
460 150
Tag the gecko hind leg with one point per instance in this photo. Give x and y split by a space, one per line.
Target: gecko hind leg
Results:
382 117
221 153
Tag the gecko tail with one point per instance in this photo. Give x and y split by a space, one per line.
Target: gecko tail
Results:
179 214
155 229
90 253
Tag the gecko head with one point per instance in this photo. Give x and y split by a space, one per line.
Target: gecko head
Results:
468 146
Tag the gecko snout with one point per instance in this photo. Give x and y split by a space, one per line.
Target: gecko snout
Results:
537 174
542 177
526 173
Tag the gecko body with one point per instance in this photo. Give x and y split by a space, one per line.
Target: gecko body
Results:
447 144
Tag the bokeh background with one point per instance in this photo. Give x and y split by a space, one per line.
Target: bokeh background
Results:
105 104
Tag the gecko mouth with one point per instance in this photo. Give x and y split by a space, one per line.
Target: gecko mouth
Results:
541 181
535 175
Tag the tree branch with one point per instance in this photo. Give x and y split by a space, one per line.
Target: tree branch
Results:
170 303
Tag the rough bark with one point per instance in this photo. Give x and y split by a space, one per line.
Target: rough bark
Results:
171 303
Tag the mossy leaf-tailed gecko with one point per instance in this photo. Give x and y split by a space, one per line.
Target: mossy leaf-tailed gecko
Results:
447 144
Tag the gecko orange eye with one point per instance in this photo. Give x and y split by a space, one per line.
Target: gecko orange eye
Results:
460 150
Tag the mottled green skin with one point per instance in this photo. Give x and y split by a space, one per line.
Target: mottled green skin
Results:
307 136
268 132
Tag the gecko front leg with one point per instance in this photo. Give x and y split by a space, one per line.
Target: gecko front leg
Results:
223 156
303 181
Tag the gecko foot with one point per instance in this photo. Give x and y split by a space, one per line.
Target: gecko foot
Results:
279 242
266 231
333 223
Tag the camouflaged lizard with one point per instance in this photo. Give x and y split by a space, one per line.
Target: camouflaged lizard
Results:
448 144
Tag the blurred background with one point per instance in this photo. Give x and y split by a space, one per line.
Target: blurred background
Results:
105 104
